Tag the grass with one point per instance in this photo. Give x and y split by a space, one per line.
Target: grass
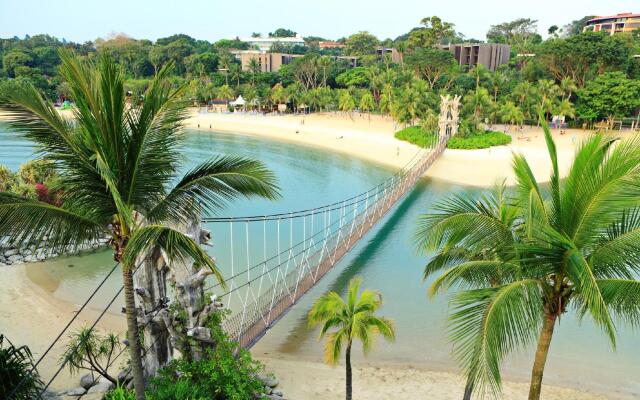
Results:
416 135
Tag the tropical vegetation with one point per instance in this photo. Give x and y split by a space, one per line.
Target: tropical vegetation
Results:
17 375
347 320
573 74
518 260
117 167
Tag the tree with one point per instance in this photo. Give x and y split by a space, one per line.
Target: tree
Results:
548 91
433 31
118 168
367 102
608 96
346 102
511 113
431 64
282 33
349 320
519 261
575 27
88 350
518 32
361 44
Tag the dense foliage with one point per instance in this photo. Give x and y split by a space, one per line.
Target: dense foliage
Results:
565 74
35 180
16 375
479 140
222 374
475 140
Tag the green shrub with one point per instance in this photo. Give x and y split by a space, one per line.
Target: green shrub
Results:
416 135
479 141
120 393
16 364
467 139
221 374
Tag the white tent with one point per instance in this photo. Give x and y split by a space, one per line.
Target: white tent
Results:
240 102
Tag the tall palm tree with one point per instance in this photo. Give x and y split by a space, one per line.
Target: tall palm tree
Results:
577 247
352 319
118 166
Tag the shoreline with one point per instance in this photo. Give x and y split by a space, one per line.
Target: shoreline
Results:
371 137
370 140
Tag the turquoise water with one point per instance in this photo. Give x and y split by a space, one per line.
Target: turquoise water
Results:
385 258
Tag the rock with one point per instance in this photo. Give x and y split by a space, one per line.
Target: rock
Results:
10 252
47 395
87 381
272 397
102 386
16 258
267 390
124 376
76 392
268 380
277 393
93 396
30 258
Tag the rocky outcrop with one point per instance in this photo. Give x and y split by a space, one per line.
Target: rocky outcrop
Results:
10 254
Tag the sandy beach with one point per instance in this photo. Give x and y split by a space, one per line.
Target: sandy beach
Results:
371 137
314 380
31 315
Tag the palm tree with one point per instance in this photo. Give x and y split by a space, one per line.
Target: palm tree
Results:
520 265
511 113
117 166
352 319
547 92
255 68
568 87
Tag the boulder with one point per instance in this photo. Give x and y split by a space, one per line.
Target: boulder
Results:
124 376
76 392
47 395
277 393
10 252
102 386
268 380
16 258
87 381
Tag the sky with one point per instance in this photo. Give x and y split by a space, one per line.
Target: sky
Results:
83 20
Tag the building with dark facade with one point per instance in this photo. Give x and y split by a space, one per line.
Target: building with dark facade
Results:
490 55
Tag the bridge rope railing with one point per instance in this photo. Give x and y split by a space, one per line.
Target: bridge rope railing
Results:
259 298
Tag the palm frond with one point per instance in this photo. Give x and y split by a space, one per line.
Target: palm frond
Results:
174 244
622 296
487 324
211 185
27 221
474 275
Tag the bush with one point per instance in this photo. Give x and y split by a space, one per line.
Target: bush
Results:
16 364
470 140
221 374
120 393
479 141
416 135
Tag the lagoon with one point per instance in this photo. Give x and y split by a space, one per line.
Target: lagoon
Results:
580 355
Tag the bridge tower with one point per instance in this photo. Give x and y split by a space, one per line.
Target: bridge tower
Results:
449 116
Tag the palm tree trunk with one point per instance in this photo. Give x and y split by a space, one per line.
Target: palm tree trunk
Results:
542 351
468 390
132 333
348 369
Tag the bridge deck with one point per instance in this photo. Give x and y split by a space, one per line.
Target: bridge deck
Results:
251 324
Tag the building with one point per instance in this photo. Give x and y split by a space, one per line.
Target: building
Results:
271 62
393 54
331 45
490 55
264 44
619 23
268 62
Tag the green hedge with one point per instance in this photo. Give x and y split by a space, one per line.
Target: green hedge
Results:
416 135
479 141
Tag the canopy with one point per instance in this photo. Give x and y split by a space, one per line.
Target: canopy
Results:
238 102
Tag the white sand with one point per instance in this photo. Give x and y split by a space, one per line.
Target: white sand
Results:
304 380
372 138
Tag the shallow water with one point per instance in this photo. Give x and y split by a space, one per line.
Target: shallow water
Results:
385 258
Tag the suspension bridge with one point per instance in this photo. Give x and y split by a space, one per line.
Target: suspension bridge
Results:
299 248
291 252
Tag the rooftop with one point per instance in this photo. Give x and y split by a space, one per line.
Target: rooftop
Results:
621 15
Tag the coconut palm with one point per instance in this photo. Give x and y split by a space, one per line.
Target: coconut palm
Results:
117 166
350 319
518 268
511 113
568 87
